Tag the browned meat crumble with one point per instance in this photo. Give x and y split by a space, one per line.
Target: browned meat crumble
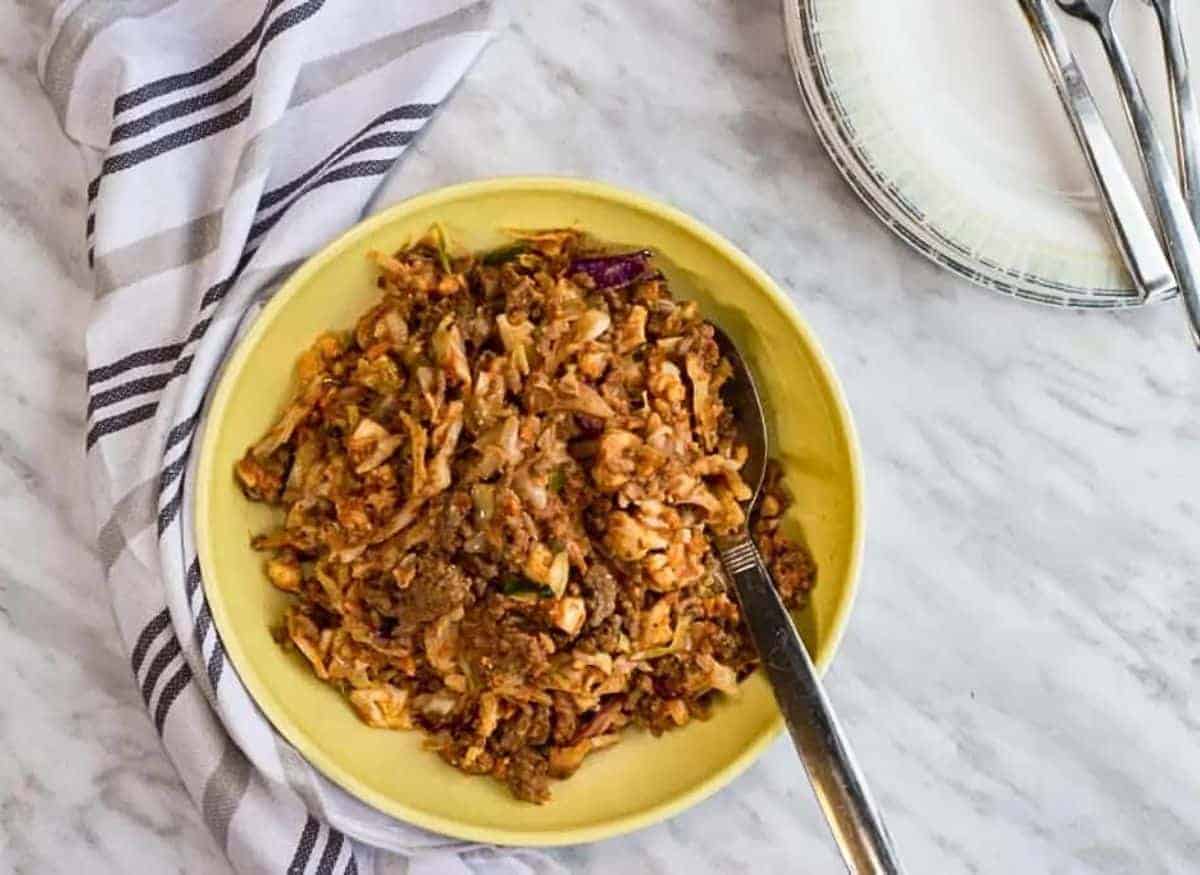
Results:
499 493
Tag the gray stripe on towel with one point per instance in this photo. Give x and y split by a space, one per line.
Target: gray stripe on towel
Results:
174 247
135 511
223 791
322 76
82 25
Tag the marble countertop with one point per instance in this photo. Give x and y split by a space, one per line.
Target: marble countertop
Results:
1018 675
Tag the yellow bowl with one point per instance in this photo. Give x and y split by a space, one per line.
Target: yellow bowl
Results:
643 779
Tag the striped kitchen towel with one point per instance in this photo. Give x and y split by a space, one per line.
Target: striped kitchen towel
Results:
224 143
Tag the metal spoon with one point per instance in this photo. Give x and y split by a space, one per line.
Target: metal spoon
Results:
840 787
1183 246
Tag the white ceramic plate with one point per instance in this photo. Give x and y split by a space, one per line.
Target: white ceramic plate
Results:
943 118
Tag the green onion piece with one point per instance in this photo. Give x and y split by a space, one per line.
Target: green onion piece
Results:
443 256
522 586
503 254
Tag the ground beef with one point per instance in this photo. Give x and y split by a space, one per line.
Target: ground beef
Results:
566 720
600 593
670 678
530 726
605 638
498 499
527 776
725 645
462 753
793 570
499 646
436 589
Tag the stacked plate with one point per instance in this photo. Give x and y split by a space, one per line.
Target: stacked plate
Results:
944 121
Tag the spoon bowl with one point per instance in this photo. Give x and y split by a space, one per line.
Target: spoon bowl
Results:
741 394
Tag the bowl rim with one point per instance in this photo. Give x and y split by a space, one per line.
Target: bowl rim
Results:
257 688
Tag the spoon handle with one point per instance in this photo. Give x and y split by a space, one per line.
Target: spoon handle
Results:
840 787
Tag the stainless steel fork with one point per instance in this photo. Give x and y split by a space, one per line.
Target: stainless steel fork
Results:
1183 102
1183 245
1134 233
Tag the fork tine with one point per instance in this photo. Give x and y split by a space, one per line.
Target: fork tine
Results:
1174 217
1135 236
1183 103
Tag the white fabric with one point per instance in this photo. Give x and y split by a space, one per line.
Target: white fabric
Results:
225 142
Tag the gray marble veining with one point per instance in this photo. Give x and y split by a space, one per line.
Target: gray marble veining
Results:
1018 675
